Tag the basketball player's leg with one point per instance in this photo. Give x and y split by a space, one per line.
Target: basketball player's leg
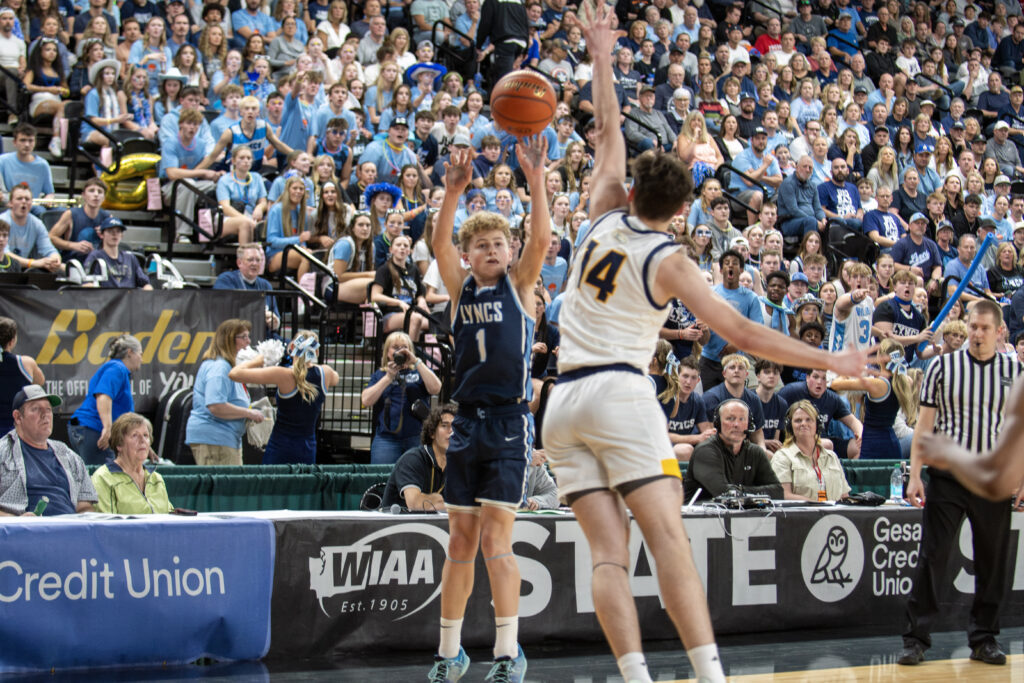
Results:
457 576
503 574
603 519
655 506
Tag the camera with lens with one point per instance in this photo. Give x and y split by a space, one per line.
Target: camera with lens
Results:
401 358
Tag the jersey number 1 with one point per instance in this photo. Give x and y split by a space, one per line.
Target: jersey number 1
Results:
602 274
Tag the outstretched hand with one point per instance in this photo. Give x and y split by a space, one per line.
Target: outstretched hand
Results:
458 172
855 362
532 153
595 20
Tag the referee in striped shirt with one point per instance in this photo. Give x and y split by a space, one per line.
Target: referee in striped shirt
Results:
963 396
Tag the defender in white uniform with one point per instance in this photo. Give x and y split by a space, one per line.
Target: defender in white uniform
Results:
604 432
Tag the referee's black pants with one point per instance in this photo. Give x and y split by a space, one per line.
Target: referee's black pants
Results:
947 502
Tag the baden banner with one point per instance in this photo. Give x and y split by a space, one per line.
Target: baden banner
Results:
69 334
373 581
80 592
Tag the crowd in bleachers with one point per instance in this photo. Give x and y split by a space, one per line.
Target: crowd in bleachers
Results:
898 126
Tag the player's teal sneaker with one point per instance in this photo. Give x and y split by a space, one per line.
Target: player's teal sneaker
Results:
508 670
449 670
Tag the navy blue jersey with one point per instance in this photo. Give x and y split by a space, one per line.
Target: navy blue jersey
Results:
680 318
880 413
688 416
905 323
828 405
774 415
493 339
714 396
660 384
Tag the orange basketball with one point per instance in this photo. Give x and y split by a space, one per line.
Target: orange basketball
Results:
523 103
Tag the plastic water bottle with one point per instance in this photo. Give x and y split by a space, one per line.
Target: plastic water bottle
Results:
896 486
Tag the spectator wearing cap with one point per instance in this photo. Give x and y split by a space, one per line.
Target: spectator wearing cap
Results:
113 266
945 238
928 179
842 39
656 128
800 209
756 162
1005 152
437 173
1001 187
391 154
38 466
798 287
967 248
1013 114
747 119
738 68
919 254
986 227
806 25
879 139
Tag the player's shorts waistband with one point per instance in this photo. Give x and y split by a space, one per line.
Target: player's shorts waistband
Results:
482 412
580 373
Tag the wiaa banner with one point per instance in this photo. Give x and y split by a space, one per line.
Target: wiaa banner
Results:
80 593
363 581
69 334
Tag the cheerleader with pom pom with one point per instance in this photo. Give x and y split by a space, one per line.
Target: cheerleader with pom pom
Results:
301 391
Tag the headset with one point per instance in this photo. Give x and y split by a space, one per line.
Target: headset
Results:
717 421
788 420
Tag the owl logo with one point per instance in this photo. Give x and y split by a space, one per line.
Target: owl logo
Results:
829 567
832 558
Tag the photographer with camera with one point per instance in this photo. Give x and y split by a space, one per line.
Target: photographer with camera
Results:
399 393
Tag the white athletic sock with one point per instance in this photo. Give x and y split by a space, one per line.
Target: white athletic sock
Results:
506 637
633 667
451 638
706 664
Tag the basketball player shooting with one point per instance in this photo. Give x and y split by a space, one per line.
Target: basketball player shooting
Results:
604 432
492 436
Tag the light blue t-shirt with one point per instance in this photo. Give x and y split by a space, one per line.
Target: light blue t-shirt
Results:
36 173
174 154
250 192
29 240
957 269
212 387
115 380
554 275
745 161
746 303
